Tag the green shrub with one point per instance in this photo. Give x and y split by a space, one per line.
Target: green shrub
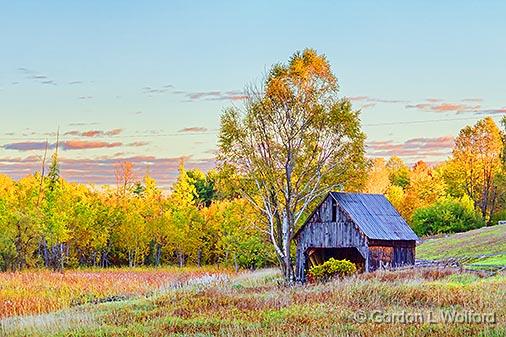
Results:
447 215
332 268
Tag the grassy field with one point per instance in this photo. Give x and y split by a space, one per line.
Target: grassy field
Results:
41 291
255 304
480 247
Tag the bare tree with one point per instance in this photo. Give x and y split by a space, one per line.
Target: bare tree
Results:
124 174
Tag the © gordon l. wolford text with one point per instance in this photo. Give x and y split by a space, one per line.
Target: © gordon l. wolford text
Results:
434 317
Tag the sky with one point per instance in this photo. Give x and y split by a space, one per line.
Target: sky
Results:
147 81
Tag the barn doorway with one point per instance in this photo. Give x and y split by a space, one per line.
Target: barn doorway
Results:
317 256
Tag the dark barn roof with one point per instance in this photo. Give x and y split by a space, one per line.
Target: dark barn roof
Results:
374 215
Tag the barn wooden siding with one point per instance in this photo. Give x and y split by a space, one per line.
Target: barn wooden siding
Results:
321 232
390 254
390 243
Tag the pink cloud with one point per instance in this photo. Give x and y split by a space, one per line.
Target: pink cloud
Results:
138 144
100 171
83 145
494 111
414 147
435 106
94 133
194 129
27 146
374 100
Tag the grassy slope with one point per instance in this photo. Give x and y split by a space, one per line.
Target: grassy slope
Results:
486 246
253 304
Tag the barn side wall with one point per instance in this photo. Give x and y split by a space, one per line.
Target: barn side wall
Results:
391 254
321 232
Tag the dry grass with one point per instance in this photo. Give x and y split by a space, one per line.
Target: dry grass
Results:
42 291
254 304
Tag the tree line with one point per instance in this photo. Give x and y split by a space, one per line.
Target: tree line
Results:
46 221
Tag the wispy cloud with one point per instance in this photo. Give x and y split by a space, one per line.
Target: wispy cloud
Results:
64 145
432 106
492 111
367 105
194 129
48 82
138 144
94 133
216 95
83 123
465 105
84 145
472 100
375 100
156 90
26 146
415 147
36 76
101 170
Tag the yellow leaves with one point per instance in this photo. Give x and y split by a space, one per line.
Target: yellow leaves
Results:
378 179
6 183
306 74
183 192
298 67
395 194
477 159
309 64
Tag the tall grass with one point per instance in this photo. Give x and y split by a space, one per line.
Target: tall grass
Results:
257 304
41 291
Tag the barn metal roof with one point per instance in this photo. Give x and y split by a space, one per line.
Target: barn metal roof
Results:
375 216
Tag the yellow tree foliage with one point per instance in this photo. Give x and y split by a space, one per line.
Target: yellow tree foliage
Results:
425 188
476 160
378 177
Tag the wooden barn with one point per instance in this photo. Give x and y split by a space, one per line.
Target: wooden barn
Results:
363 228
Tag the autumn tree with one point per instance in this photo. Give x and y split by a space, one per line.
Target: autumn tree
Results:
477 159
185 219
378 177
125 178
425 188
19 222
55 230
398 172
500 180
205 191
294 141
155 214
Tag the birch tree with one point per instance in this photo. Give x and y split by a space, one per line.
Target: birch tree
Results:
294 141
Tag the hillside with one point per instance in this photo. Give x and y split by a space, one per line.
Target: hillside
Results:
480 247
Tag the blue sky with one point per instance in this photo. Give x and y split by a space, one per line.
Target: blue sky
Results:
147 81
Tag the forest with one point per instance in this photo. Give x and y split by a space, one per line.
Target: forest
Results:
242 213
